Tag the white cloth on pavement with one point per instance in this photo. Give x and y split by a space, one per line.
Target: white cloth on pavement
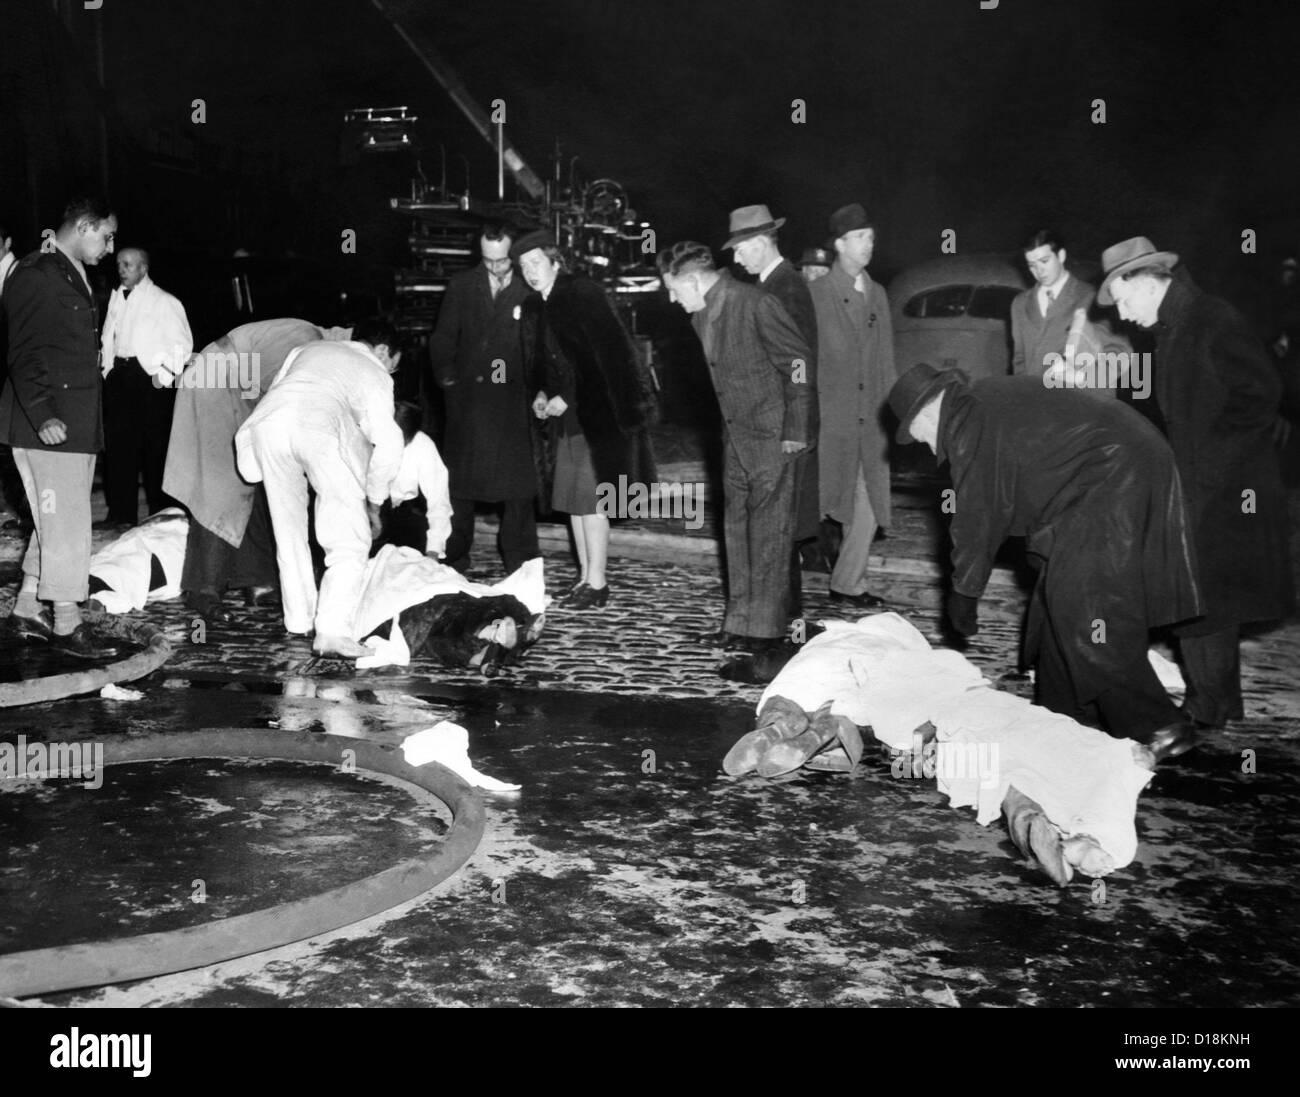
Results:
398 578
392 651
125 565
881 673
448 744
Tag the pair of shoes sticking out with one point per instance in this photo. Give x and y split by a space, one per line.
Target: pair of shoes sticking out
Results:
583 595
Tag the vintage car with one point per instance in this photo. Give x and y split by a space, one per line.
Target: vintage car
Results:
954 311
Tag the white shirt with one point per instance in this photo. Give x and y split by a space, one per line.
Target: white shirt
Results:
1055 289
150 325
767 270
6 265
336 391
422 472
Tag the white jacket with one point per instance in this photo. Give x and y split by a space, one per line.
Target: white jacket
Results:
150 325
337 391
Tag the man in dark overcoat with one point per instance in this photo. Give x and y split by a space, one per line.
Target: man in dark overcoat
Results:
477 358
1218 394
753 348
1092 487
753 237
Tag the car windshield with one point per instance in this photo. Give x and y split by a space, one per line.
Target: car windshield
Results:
943 302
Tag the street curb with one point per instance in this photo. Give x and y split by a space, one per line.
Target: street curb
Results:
644 544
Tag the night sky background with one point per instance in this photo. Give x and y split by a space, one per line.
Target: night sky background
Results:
933 113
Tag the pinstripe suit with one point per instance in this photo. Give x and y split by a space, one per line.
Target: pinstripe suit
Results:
753 348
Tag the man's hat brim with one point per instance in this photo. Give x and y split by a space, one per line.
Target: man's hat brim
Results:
757 230
1150 259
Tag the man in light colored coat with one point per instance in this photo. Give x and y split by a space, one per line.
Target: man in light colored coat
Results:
855 371
328 421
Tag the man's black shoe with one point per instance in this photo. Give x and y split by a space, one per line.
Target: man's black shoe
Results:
83 643
39 628
116 525
209 607
1172 740
865 600
718 639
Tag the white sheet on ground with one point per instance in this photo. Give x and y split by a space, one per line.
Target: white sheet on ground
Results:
124 564
881 672
398 578
448 744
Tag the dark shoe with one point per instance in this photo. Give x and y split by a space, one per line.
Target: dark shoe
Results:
39 628
719 639
209 607
83 643
115 525
262 596
865 600
586 597
1172 740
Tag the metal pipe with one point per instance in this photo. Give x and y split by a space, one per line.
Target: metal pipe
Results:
451 84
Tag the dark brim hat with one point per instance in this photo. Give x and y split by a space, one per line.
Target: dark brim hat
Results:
748 221
848 219
538 238
913 390
1126 256
816 257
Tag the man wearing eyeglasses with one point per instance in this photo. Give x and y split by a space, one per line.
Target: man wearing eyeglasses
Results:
478 362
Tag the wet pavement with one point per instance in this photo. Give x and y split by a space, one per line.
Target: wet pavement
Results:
630 870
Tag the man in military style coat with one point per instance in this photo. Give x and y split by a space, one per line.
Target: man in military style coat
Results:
477 358
51 412
754 350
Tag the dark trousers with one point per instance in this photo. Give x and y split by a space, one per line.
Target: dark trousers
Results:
137 426
758 522
212 565
1133 707
517 538
1212 670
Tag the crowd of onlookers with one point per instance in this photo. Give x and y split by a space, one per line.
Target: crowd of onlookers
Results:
1161 512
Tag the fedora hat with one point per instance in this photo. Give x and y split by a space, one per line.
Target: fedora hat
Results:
916 388
538 238
1129 255
750 221
815 257
848 219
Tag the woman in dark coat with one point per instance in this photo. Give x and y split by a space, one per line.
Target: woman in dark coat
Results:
592 388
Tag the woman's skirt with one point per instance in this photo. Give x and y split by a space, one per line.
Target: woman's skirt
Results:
575 476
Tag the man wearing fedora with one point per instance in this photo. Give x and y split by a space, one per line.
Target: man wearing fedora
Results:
855 372
753 237
1092 487
1218 394
753 348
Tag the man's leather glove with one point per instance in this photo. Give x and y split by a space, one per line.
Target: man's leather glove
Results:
961 613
